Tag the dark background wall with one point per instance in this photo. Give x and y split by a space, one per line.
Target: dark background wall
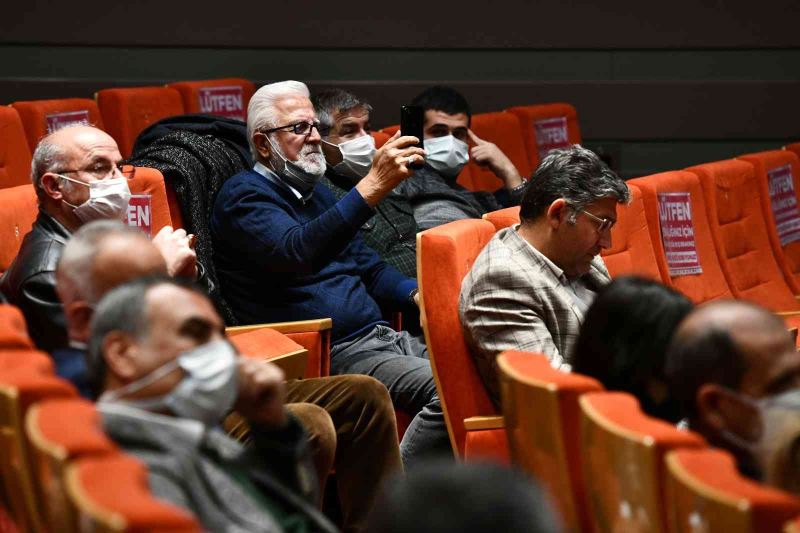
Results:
657 86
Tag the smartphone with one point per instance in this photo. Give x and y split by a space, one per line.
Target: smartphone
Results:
411 119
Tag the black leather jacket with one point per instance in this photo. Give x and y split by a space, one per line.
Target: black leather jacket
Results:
30 282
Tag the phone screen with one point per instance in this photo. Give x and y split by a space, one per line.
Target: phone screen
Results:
411 120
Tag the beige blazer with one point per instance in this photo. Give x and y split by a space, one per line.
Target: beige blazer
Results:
512 300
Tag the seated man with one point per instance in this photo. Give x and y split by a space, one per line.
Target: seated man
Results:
433 192
166 377
285 249
77 178
349 149
529 289
736 372
356 432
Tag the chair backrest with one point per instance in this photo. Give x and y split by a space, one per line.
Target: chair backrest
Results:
61 430
111 493
13 331
503 218
793 147
15 155
17 215
267 344
40 117
705 492
502 129
226 97
445 255
623 459
546 127
740 235
149 207
128 111
542 417
380 138
683 243
777 175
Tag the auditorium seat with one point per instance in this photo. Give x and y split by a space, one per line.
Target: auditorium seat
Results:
13 331
18 212
710 283
149 205
128 111
793 147
40 117
270 345
503 218
777 175
545 127
380 138
502 129
445 255
111 494
61 430
705 492
226 97
542 416
623 462
15 155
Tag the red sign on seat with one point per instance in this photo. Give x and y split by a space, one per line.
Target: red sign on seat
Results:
56 121
783 199
140 213
551 133
677 233
222 101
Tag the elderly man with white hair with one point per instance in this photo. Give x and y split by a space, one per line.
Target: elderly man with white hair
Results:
285 249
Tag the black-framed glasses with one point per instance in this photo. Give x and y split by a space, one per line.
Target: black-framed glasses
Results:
302 128
103 170
603 224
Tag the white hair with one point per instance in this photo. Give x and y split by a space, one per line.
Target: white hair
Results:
46 158
261 110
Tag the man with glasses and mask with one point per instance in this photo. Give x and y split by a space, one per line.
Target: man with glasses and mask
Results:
285 249
530 288
433 192
78 177
349 149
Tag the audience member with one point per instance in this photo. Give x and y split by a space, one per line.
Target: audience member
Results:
166 377
463 497
433 192
531 286
351 421
349 149
624 339
736 372
77 177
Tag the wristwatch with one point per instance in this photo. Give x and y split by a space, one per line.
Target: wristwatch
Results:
412 294
520 187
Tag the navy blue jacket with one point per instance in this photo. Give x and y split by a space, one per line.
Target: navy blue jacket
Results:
281 258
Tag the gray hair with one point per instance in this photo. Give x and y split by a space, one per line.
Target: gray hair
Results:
261 110
330 101
74 269
575 174
46 157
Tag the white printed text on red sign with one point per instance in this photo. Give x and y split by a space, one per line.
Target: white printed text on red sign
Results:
56 121
677 233
783 199
551 133
140 213
222 101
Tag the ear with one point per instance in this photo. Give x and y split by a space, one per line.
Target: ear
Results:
51 185
557 213
720 409
262 145
120 352
711 405
79 315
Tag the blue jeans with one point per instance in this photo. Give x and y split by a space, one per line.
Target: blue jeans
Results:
400 362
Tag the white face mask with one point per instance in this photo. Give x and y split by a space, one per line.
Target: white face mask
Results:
356 156
108 199
447 155
206 393
302 175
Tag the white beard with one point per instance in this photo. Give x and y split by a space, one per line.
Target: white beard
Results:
311 160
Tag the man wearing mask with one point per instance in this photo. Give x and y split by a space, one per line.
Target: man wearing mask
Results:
433 192
165 378
285 249
77 177
349 149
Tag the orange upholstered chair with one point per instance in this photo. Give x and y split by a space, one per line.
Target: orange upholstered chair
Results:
111 493
18 211
149 206
15 155
127 111
502 129
61 430
13 331
740 235
545 127
445 255
710 284
777 175
542 416
705 492
793 147
226 97
380 138
503 218
268 344
623 462
40 117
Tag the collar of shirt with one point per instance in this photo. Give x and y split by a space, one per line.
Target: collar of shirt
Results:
557 272
274 178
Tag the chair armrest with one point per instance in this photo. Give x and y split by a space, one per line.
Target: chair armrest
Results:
293 364
475 423
298 326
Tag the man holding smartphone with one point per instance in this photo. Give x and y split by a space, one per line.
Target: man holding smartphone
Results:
433 192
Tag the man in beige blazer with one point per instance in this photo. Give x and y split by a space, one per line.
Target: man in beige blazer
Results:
529 289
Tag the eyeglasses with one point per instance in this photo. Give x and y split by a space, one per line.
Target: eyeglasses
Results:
603 224
302 128
103 170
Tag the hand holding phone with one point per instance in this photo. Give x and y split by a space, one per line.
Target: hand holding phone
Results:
411 120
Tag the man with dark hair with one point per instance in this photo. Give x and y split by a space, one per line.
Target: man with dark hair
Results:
349 149
733 367
530 288
433 192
